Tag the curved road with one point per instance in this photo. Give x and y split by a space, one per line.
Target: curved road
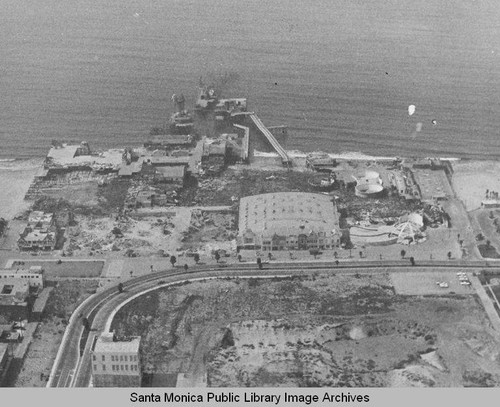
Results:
72 365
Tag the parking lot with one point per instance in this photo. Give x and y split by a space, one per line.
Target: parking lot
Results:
426 283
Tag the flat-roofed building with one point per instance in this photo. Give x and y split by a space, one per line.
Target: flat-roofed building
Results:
12 290
288 221
170 141
167 160
320 162
116 363
33 275
172 175
14 294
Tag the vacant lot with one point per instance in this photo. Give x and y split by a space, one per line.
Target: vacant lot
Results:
232 184
313 331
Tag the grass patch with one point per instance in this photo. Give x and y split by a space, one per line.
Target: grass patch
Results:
69 268
66 296
488 252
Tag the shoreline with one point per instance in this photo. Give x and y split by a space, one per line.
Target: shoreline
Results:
10 163
16 177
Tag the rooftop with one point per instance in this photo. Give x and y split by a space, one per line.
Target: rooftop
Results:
14 287
214 147
171 139
168 160
69 155
106 344
39 216
31 270
39 236
288 213
176 171
132 168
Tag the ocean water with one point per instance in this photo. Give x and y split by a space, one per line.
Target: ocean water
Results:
341 74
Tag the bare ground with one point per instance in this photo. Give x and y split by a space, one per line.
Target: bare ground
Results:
320 331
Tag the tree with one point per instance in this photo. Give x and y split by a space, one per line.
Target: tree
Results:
403 253
217 256
186 267
239 258
449 255
173 260
259 263
360 254
412 261
120 287
314 252
270 255
196 258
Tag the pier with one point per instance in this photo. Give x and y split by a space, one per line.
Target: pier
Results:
277 146
285 159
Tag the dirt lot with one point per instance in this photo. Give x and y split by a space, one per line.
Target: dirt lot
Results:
207 228
64 299
240 183
126 236
314 331
81 190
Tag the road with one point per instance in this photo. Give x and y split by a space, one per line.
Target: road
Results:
72 365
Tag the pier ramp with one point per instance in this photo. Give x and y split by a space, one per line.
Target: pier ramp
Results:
285 159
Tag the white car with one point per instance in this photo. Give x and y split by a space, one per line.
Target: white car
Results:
465 282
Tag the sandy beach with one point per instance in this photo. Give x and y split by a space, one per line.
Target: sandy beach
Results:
15 179
471 179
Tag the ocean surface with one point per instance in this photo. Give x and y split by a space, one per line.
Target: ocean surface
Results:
340 74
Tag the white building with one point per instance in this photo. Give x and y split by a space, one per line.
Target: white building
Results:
116 363
33 276
288 221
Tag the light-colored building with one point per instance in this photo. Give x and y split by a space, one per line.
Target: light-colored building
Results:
39 233
13 290
171 174
116 363
33 275
34 239
14 295
40 220
288 221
